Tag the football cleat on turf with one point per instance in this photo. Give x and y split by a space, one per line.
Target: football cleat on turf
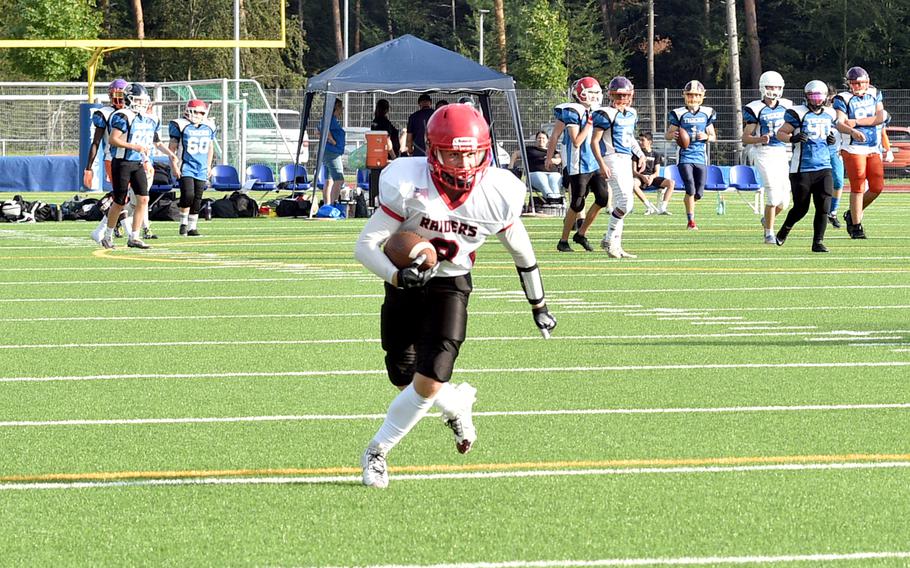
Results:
463 424
193 233
563 246
819 246
107 243
148 234
98 235
663 212
118 232
832 218
691 225
137 243
782 236
858 232
770 240
182 231
583 241
375 472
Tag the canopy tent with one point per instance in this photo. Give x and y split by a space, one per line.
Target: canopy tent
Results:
410 64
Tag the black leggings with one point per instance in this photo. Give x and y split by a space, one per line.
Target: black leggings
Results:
694 177
817 186
191 194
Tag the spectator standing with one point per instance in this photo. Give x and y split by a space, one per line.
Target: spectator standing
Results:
381 122
334 149
417 126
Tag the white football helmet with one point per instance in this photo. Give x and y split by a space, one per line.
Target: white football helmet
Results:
136 97
771 85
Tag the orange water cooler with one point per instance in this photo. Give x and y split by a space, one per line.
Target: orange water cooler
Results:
377 149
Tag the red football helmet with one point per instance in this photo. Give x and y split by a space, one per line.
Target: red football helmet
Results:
195 111
459 128
587 91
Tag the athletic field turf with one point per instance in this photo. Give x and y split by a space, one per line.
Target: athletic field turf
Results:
206 402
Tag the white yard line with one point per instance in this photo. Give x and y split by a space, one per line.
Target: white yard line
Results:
505 413
841 336
356 479
500 371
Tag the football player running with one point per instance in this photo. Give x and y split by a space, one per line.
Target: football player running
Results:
810 128
192 139
763 118
860 109
134 131
698 122
580 165
614 143
454 200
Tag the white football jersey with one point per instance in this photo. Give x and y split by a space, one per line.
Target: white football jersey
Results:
456 229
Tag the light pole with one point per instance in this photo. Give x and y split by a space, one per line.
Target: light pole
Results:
480 55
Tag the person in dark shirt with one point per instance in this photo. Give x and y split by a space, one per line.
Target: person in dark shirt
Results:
417 126
649 180
547 181
381 122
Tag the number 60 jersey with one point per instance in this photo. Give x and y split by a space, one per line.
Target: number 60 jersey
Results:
193 149
456 225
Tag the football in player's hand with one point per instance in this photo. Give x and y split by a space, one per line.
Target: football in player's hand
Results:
404 247
682 138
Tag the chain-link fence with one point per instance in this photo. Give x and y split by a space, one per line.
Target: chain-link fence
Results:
43 118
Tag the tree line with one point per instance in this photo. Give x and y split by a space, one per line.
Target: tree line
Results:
543 43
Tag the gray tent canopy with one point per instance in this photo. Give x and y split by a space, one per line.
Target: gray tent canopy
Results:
409 64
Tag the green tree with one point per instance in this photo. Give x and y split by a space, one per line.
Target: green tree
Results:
541 49
53 19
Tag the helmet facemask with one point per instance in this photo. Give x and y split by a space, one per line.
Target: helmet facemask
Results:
459 148
587 91
196 111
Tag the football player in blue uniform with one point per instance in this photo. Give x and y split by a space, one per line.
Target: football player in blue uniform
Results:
579 164
861 109
192 139
763 118
837 169
698 122
133 133
614 143
810 128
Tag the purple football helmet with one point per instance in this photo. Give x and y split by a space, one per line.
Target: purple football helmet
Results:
621 90
858 79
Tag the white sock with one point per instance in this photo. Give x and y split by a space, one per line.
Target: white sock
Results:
768 232
134 235
127 224
404 413
102 225
662 206
108 233
193 219
183 218
447 401
614 229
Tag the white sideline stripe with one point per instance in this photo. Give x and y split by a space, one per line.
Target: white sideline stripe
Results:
350 372
167 281
842 336
679 561
562 412
875 338
303 480
772 327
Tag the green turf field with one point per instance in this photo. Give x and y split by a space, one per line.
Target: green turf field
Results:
206 402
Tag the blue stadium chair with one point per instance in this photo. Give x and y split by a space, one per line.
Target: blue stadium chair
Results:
715 181
294 178
265 179
744 178
672 172
225 178
363 179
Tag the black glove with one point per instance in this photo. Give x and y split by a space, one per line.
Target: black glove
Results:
799 138
544 320
412 277
830 139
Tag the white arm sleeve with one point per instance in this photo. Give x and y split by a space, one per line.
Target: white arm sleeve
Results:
367 251
516 240
636 149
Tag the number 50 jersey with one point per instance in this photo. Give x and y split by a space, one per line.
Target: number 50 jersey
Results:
195 141
456 225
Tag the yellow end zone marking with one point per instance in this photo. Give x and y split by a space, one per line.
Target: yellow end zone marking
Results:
451 468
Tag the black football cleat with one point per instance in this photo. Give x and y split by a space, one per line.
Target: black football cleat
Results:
182 231
583 241
832 219
563 246
193 233
819 246
858 232
782 236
